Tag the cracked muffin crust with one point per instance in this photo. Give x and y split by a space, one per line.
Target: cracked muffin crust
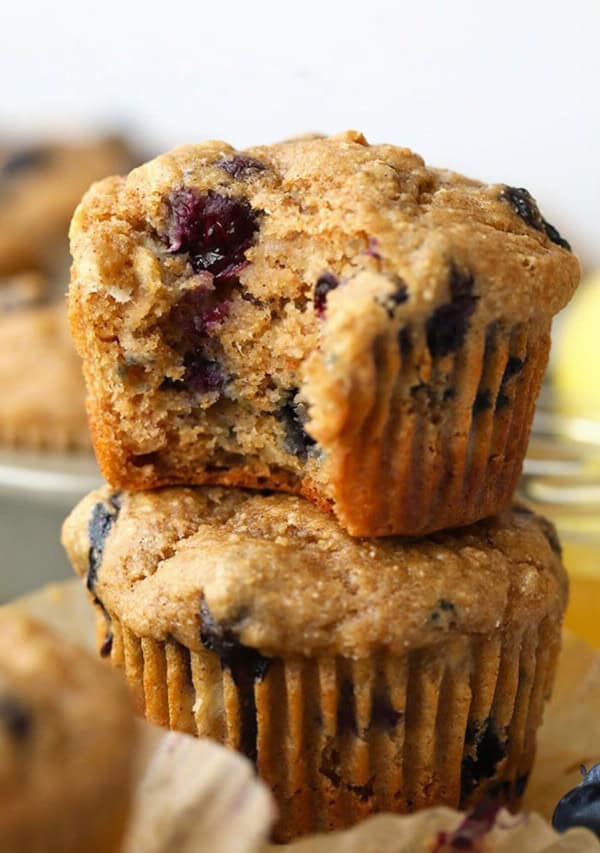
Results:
66 745
40 186
322 316
358 675
43 396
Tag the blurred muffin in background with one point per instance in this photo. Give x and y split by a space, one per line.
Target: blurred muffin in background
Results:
42 401
67 742
41 182
40 185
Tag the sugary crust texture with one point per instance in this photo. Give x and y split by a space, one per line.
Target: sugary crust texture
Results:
40 186
431 285
67 742
43 396
285 579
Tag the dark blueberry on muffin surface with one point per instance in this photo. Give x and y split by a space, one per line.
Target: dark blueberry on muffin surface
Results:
526 207
447 326
215 230
325 283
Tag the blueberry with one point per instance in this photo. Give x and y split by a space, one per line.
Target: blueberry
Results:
346 709
326 282
448 395
106 647
215 230
330 765
554 235
405 342
447 326
15 718
514 365
383 713
525 206
247 666
240 166
169 384
25 160
502 401
196 314
482 402
103 517
363 792
216 636
202 374
581 805
488 750
292 415
444 610
591 776
193 319
221 639
398 297
400 294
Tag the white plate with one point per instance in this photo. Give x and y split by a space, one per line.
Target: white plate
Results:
37 491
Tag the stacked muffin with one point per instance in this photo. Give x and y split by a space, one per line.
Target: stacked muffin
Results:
338 322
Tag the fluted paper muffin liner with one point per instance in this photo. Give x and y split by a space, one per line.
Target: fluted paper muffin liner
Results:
437 442
338 739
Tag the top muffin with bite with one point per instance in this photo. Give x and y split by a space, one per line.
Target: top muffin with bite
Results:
321 316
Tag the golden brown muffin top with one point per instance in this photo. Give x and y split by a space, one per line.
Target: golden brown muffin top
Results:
64 717
274 573
341 205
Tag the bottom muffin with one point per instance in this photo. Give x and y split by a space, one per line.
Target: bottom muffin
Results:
66 745
358 675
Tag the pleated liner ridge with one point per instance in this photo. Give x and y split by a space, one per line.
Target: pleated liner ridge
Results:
338 739
442 445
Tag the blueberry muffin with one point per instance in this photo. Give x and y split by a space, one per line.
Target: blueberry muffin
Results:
42 404
359 675
322 316
40 186
66 745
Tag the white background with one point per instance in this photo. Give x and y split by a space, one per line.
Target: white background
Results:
504 91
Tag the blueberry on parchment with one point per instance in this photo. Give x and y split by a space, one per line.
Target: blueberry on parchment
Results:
581 805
